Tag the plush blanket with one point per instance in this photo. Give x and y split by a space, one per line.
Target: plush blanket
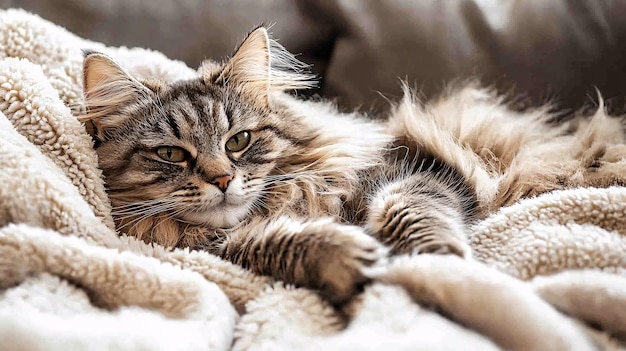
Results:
548 273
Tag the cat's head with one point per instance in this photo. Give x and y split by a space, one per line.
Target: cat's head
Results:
198 150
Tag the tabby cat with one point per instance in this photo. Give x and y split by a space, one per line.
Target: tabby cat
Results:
231 163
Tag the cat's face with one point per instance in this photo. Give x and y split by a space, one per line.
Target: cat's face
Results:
200 150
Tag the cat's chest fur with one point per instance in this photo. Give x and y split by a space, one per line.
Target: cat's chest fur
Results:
330 169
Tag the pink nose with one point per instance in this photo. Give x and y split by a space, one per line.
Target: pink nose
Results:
222 182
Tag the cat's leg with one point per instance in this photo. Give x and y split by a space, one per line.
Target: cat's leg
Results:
422 213
319 254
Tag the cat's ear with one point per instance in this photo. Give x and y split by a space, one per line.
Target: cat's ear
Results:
249 68
106 88
259 66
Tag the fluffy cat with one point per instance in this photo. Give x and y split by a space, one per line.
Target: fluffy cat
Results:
294 189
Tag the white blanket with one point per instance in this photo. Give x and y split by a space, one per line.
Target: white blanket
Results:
545 269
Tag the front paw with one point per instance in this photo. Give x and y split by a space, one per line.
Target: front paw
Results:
342 260
440 240
443 244
410 231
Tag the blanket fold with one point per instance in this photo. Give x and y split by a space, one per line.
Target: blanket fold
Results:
548 272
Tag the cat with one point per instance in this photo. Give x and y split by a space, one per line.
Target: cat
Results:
230 162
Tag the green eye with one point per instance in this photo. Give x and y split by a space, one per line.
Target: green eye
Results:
171 153
238 141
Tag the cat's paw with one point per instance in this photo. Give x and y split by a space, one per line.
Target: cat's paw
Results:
420 232
343 260
443 244
440 240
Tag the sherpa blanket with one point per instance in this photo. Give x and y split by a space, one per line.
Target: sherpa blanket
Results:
548 273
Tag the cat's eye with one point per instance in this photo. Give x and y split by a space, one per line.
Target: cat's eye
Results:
171 153
238 141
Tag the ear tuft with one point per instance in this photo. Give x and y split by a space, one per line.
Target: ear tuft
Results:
259 66
249 68
287 72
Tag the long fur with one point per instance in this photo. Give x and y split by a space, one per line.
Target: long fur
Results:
316 196
508 155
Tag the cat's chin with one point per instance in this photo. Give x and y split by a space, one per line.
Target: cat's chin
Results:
219 217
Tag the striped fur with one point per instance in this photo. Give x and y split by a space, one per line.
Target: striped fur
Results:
317 196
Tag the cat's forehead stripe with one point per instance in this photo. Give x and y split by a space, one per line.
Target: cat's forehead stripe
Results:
173 123
185 109
194 113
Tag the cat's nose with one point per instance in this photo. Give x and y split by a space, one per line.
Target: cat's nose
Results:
222 181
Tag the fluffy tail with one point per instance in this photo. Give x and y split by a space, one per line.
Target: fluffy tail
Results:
506 155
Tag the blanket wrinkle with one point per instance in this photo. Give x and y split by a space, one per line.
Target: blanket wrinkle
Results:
596 298
557 231
383 310
50 321
30 103
113 280
544 271
461 287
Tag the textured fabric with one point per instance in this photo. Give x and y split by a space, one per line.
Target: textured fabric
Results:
542 267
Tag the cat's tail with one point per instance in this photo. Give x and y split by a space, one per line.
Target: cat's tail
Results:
591 152
470 130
